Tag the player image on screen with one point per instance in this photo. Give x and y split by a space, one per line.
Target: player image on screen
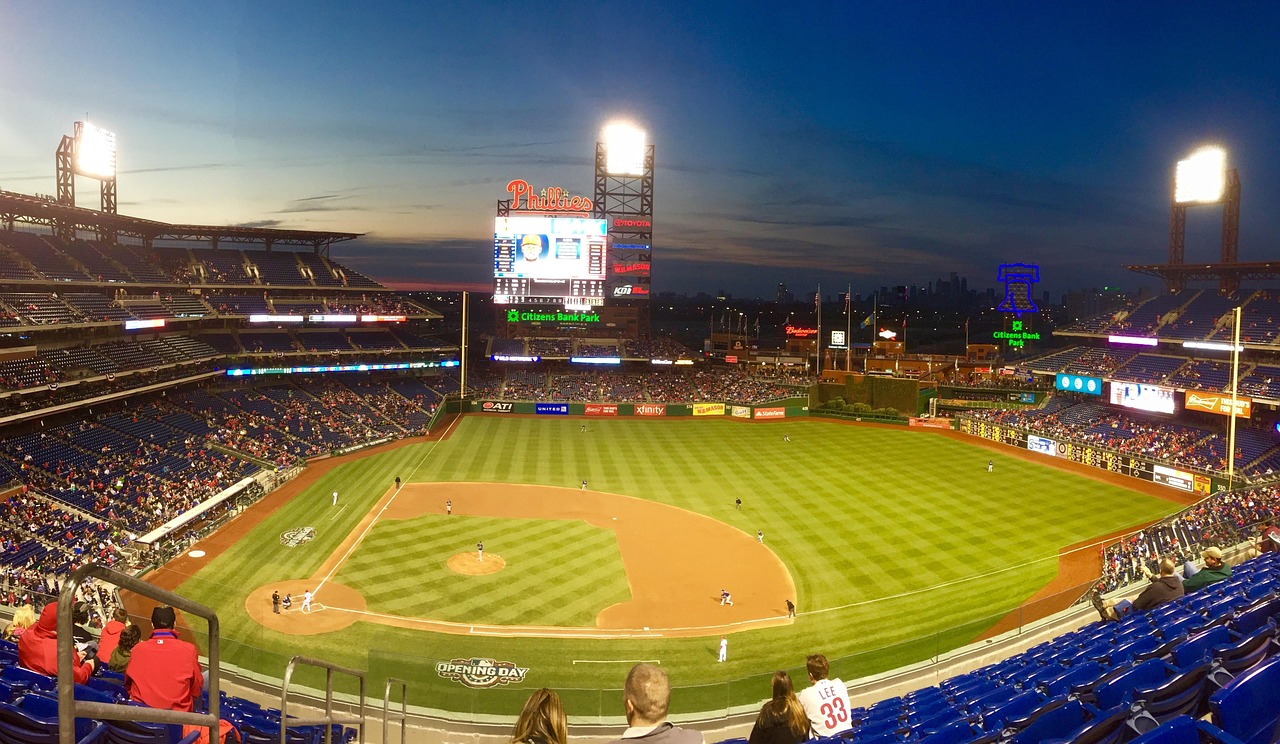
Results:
1143 397
549 260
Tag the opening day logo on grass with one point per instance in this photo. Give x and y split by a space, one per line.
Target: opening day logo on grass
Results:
297 536
481 673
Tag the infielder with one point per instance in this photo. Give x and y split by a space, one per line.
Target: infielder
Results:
760 536
448 507
726 598
480 551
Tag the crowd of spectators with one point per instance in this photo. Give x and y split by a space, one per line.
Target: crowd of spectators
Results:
1223 520
676 385
1175 444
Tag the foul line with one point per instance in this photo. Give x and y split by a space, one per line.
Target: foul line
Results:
617 661
385 506
339 511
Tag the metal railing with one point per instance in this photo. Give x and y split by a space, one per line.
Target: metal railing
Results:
69 708
329 718
402 716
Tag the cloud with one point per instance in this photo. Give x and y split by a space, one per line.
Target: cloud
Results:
259 223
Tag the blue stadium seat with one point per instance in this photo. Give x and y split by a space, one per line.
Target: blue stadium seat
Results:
1117 688
1055 722
1185 730
1249 707
1018 706
1184 693
956 732
34 720
1231 660
1082 674
1107 728
1198 648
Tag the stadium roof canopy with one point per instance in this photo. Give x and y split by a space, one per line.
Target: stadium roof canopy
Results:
16 207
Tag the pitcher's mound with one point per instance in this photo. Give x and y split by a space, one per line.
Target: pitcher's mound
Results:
468 564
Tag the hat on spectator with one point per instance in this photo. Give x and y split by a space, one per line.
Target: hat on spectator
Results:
163 617
1212 552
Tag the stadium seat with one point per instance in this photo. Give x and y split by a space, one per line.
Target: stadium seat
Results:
956 732
1117 687
1053 722
1109 727
1083 674
1184 693
21 679
1257 615
1231 660
1185 730
997 717
1198 648
34 720
1249 707
138 732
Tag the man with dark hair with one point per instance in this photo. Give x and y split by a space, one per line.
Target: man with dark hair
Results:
1163 588
1215 570
164 671
646 697
825 701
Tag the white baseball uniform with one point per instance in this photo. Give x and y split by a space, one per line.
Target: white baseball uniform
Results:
724 649
827 705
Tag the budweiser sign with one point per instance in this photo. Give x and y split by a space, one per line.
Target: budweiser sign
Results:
600 409
651 409
1219 404
554 199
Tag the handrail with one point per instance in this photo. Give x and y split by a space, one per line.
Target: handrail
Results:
329 718
69 708
402 716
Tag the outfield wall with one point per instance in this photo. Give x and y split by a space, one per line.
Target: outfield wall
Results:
1096 456
786 408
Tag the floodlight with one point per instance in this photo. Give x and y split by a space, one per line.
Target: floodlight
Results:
624 149
96 152
1202 177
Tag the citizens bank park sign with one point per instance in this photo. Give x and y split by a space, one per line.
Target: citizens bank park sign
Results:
480 674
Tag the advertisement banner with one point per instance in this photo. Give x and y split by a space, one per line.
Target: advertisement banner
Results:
551 409
1218 403
708 409
494 406
1042 445
765 413
1078 384
741 412
930 423
600 409
651 409
1203 484
1178 479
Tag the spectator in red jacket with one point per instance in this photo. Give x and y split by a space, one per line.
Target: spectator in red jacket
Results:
38 648
164 671
111 634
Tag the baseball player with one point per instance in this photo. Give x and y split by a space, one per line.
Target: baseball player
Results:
448 506
335 498
584 484
760 536
726 598
397 483
724 648
791 608
990 464
306 601
737 504
480 551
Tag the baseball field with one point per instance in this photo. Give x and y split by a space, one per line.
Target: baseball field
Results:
895 546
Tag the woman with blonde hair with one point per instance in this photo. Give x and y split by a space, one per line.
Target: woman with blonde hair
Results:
782 720
542 720
24 617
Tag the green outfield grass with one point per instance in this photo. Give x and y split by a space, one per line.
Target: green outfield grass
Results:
901 545
400 569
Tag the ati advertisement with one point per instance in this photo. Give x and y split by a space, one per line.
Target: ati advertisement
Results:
630 271
549 259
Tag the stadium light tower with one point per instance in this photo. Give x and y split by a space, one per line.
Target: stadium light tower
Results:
624 197
89 151
1203 178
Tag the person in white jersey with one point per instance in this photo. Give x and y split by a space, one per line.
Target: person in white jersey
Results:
306 601
825 701
724 648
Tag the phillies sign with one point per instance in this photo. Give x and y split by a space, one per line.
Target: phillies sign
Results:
554 199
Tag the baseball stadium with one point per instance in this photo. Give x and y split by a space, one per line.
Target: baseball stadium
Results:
386 521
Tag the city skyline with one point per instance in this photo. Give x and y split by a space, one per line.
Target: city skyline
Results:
868 145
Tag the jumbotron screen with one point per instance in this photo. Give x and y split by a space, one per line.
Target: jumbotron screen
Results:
549 260
1143 397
